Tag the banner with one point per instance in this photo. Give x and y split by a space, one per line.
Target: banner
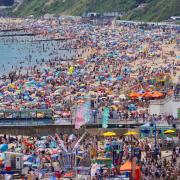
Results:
79 119
105 117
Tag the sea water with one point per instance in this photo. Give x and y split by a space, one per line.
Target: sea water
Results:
25 51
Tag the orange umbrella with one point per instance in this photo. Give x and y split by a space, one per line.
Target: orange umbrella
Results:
147 95
134 95
157 94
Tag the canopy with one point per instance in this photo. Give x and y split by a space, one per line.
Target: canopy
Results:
127 166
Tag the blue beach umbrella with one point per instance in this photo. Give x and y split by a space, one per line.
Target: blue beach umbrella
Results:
132 107
3 147
119 78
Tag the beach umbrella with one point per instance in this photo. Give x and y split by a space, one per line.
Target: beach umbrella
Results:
147 95
122 96
3 147
119 78
114 107
27 163
71 70
132 107
130 133
134 95
156 94
170 131
109 134
116 101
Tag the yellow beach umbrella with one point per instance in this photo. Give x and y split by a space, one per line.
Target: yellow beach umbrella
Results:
71 70
170 131
130 133
109 134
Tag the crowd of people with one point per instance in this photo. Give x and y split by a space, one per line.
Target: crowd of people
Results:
56 155
111 64
78 66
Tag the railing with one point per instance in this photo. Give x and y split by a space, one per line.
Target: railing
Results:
165 100
94 120
25 122
65 121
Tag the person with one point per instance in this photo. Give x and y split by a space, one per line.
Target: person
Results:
177 150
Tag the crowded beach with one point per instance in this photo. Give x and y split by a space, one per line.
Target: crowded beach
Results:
88 73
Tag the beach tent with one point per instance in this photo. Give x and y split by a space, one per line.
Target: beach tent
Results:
127 166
